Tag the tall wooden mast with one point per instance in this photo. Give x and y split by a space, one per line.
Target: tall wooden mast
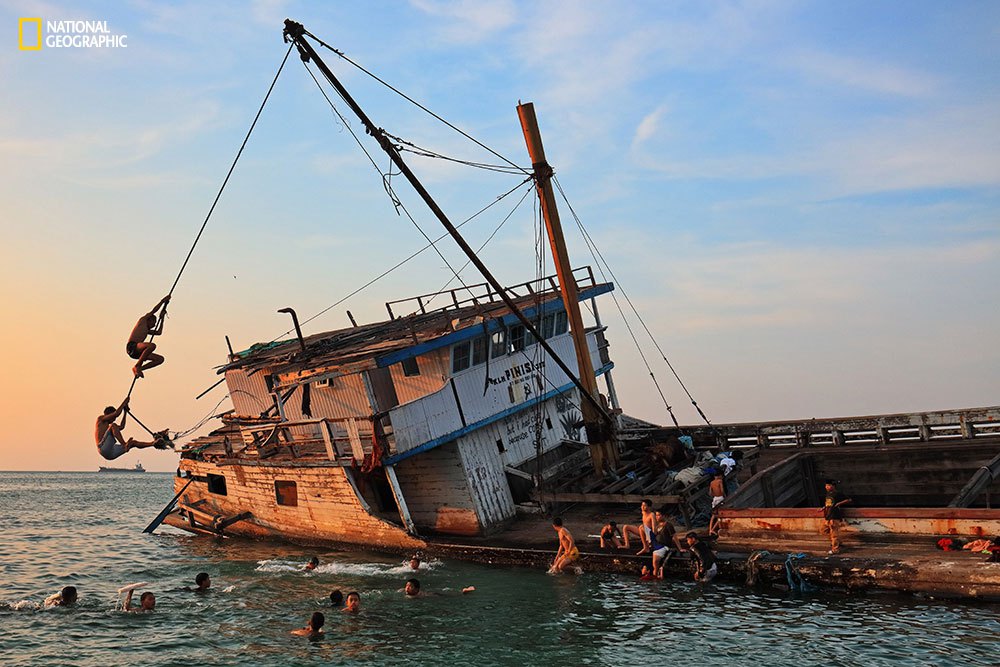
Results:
602 451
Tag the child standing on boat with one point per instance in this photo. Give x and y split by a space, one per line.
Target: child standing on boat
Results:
832 514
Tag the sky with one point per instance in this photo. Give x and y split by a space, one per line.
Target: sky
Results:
801 199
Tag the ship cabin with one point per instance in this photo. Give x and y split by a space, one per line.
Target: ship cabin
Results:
442 420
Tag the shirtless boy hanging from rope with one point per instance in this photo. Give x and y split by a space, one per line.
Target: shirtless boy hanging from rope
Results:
137 346
108 434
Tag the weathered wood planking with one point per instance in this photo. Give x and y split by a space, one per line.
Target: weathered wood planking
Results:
437 492
327 506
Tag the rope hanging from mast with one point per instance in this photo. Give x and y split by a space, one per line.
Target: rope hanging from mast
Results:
201 230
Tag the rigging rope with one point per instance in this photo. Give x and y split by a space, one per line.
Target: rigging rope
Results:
404 261
420 106
386 176
412 148
211 210
488 239
597 254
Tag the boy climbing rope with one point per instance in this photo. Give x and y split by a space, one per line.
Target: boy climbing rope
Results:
141 350
108 435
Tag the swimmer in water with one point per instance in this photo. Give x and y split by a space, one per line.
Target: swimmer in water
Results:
203 581
415 563
353 602
313 563
64 598
412 589
314 628
147 602
336 598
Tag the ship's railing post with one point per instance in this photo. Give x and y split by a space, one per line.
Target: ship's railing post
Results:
328 440
357 449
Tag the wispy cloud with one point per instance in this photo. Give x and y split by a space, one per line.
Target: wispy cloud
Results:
468 21
866 74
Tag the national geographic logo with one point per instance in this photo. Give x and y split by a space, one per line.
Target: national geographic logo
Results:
67 35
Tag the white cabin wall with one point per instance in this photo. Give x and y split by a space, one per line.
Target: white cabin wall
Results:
434 372
437 493
518 430
484 468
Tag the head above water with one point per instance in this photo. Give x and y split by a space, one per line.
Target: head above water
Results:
316 621
203 581
336 598
313 563
415 562
353 601
412 587
147 601
68 594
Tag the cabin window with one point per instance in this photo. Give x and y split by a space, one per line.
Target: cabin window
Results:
286 493
498 343
517 338
480 349
500 447
460 359
562 324
217 484
548 326
410 367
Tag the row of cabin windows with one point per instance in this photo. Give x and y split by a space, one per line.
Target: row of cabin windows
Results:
285 493
506 341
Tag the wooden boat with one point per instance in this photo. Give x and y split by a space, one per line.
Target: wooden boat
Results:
459 424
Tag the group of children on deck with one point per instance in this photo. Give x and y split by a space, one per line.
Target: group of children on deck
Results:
659 538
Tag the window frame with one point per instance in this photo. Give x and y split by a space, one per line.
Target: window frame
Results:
281 488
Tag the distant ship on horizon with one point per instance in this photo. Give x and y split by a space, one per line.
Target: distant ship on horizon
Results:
138 468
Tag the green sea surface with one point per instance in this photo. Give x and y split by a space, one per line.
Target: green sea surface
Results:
86 529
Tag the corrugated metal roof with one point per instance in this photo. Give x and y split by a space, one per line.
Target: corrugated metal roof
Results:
361 347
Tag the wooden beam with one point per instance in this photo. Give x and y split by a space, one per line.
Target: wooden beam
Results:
610 498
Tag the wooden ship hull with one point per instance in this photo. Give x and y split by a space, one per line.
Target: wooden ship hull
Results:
457 428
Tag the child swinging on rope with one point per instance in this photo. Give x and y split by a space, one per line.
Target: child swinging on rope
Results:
137 347
108 435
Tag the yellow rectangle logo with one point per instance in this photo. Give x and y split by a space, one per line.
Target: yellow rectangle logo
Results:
20 34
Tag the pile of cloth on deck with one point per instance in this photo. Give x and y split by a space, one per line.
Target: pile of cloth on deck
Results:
980 545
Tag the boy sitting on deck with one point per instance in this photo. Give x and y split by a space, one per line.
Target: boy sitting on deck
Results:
108 435
644 531
611 536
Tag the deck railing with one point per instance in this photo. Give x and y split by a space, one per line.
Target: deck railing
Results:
876 430
343 439
480 293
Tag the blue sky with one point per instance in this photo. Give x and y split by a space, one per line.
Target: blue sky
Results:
801 198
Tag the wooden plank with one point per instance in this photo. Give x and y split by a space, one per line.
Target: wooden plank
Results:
357 449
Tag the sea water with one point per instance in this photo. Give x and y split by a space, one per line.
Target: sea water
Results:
86 530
